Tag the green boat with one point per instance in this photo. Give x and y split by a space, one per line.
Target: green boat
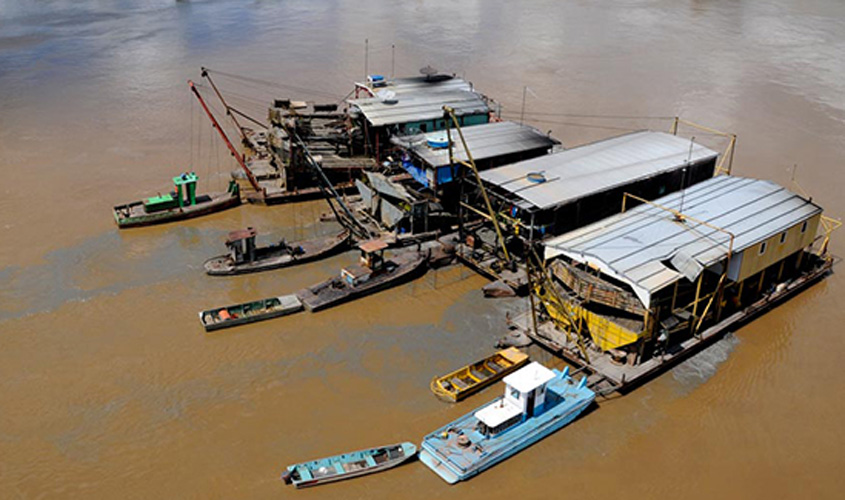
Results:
183 203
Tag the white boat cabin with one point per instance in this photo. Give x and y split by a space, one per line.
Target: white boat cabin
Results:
525 393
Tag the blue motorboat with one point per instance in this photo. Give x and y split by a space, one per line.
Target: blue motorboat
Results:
537 402
348 465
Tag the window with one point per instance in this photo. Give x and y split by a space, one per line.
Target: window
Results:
782 237
762 248
514 394
804 227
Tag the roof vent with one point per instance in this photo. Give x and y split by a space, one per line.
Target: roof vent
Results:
536 177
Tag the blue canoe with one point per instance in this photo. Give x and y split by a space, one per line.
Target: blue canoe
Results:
348 465
536 403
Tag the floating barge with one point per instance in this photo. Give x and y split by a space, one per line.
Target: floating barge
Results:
249 312
183 203
348 465
551 194
373 274
472 378
693 265
245 257
537 402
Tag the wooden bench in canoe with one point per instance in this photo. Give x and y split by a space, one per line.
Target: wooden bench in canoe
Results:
472 378
249 312
348 465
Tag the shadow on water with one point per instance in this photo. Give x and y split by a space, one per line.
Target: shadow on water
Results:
113 262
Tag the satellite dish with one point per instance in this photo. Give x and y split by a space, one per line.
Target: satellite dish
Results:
428 71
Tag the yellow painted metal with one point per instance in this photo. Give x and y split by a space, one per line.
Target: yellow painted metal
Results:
605 333
451 113
478 375
727 156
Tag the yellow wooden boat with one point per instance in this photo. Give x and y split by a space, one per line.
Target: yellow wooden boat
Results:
472 378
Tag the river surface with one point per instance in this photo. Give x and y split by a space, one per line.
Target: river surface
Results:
110 389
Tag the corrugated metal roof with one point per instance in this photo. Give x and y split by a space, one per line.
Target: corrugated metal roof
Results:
596 167
419 105
634 245
417 83
488 140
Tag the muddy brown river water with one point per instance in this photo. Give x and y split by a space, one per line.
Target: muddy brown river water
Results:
110 389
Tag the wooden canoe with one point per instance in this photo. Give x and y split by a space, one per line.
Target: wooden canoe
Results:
279 256
249 312
337 290
472 378
348 465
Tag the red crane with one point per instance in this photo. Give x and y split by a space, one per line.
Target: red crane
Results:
232 149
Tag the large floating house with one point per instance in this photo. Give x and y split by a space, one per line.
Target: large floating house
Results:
407 106
629 291
427 155
555 193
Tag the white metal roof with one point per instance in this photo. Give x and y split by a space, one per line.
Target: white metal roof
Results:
415 83
420 105
488 140
498 413
596 167
530 377
636 246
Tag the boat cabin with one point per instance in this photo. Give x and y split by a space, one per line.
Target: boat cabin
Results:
372 254
241 245
371 261
185 195
525 395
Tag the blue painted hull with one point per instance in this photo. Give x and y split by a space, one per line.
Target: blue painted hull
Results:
454 463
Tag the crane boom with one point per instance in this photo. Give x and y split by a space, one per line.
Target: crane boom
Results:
232 149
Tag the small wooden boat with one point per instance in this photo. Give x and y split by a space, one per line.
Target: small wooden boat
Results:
373 275
245 257
472 378
348 465
249 312
183 203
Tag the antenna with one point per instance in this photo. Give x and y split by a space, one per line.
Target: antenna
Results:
366 58
525 90
392 59
680 215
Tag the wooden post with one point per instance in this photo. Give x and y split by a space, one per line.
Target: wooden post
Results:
697 295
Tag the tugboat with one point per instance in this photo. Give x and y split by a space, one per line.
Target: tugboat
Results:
182 203
348 465
537 402
245 257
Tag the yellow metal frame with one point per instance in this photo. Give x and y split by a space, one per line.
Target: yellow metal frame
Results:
471 165
727 156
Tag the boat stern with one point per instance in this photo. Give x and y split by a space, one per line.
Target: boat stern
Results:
438 466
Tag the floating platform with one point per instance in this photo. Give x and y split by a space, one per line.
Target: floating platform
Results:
624 377
277 256
358 281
